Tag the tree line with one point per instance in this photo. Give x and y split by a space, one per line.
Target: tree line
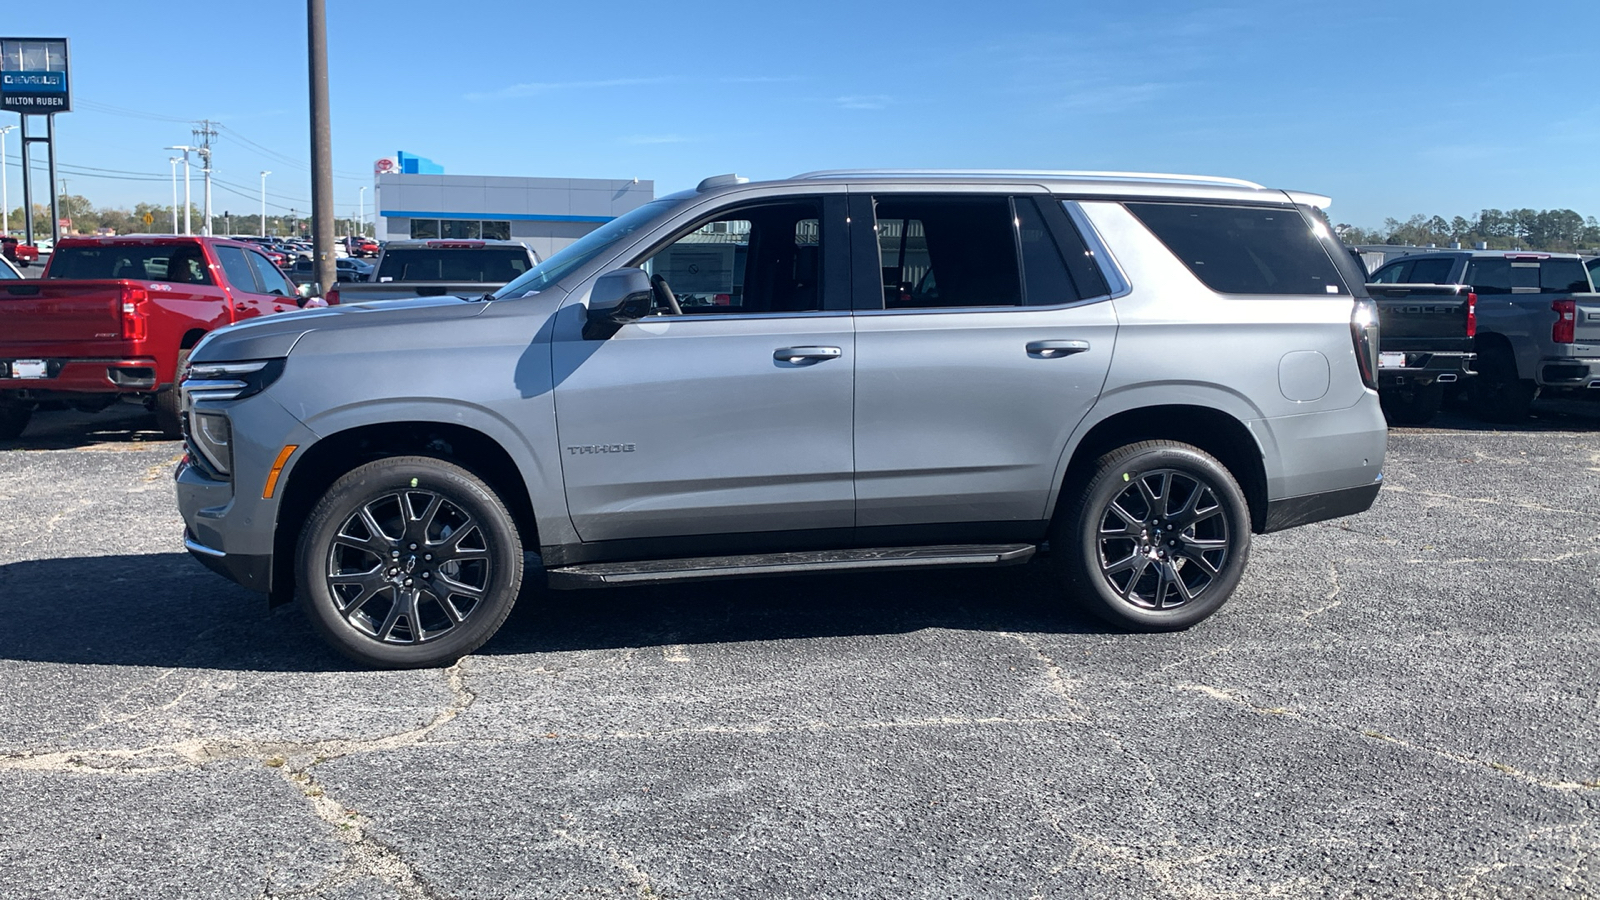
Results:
1556 230
87 219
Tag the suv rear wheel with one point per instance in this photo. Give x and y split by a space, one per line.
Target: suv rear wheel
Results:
409 562
1156 539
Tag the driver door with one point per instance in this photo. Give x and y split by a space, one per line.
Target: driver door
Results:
732 414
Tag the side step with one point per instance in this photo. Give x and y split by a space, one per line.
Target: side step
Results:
592 575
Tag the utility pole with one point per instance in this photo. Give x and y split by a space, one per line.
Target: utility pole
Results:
5 195
65 201
321 146
203 136
174 162
361 212
186 151
264 175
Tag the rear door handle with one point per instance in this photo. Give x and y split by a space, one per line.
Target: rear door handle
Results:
1056 349
805 354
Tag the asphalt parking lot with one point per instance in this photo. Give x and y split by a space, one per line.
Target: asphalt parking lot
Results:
1400 704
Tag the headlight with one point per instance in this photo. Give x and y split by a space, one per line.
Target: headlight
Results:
213 437
229 380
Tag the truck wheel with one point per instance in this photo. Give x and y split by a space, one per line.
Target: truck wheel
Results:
409 562
1416 405
1156 539
168 416
1498 395
13 420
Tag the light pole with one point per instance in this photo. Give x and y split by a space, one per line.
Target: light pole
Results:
5 195
174 161
361 212
186 150
264 175
205 169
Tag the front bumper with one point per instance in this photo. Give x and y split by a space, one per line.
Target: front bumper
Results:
253 571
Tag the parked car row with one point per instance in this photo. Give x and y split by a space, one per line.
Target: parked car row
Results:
1531 322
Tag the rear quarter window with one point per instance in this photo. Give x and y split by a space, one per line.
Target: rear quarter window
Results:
1244 249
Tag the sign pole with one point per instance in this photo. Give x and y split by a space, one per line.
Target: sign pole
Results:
27 184
55 199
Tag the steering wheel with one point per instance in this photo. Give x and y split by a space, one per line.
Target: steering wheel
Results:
664 294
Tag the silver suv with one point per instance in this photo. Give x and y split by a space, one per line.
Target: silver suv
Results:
837 371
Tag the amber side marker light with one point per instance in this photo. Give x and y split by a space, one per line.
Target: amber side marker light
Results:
277 469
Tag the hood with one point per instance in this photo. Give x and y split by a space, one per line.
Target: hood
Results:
272 337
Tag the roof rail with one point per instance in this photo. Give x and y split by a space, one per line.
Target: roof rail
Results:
1039 173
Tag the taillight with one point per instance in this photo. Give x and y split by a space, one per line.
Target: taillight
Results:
1562 332
1472 314
1364 333
135 318
332 297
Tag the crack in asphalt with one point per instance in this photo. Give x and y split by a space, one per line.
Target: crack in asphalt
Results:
201 751
638 879
1499 768
1331 599
1054 680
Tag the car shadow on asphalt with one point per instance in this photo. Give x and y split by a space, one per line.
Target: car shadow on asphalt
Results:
1548 416
164 610
123 426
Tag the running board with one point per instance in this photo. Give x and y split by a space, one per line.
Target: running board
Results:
655 571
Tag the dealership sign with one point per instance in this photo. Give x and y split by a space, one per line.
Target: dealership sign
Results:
33 76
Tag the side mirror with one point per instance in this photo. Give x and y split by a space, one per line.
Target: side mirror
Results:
619 297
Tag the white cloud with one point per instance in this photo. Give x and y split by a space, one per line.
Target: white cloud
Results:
864 101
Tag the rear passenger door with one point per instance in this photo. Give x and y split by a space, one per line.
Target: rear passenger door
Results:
982 339
258 287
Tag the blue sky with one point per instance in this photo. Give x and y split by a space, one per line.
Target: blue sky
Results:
1393 108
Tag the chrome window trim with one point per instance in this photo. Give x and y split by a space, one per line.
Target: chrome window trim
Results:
1110 269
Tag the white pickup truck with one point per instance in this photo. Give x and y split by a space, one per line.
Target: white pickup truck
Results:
1538 323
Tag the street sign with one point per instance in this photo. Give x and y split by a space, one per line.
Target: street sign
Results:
149 219
33 76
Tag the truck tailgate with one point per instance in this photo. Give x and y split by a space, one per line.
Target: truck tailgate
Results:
1423 317
40 311
1586 329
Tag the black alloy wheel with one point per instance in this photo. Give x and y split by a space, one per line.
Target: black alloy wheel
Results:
409 562
1156 539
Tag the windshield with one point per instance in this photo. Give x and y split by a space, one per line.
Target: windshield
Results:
581 251
492 265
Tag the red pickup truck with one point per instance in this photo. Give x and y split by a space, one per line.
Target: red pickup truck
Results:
115 317
22 254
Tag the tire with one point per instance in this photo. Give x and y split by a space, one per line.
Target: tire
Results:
1498 395
1107 542
380 544
1415 405
13 420
169 418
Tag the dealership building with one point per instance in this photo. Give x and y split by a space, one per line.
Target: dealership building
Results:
415 198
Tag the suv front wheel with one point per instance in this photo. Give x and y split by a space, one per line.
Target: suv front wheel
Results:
408 562
1156 539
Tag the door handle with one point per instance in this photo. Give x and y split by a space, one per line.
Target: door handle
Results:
1055 349
805 354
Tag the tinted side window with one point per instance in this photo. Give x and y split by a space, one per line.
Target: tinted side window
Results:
757 259
1489 276
1045 278
1393 273
1243 249
238 270
1431 271
1563 276
948 252
272 281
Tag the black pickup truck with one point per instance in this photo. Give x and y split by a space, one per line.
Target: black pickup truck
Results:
1425 341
